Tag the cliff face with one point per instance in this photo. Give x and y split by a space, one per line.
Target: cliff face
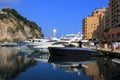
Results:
14 27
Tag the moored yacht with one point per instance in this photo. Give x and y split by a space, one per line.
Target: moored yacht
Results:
34 42
72 51
68 40
8 44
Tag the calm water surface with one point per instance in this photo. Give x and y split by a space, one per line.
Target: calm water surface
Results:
25 64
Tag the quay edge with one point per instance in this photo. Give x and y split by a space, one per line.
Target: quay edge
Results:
110 54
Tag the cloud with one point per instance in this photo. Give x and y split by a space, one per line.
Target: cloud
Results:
8 1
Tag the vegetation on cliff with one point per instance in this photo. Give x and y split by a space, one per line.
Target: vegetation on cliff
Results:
15 27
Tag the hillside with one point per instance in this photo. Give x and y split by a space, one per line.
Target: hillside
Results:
14 27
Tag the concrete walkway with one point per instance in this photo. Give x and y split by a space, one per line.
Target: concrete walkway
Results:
103 49
115 50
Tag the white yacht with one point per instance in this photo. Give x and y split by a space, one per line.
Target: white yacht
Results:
34 42
50 43
69 39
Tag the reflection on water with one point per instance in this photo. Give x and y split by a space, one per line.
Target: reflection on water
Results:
11 64
27 65
71 63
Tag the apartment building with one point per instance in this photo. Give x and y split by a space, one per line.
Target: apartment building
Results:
92 26
112 28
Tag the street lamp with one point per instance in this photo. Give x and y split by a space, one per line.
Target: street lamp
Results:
54 32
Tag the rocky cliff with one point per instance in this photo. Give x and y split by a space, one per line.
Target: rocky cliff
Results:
14 27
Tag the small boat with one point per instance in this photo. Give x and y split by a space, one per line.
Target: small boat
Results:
42 50
72 51
34 42
8 44
116 60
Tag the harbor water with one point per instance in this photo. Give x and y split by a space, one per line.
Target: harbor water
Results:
25 64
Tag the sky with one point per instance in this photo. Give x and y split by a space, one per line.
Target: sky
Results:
63 15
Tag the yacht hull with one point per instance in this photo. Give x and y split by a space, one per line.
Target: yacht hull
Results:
71 51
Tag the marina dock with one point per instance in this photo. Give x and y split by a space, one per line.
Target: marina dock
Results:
108 52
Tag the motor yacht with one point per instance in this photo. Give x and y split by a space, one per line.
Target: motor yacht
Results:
73 51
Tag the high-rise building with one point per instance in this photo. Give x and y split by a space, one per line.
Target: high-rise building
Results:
90 24
93 25
112 28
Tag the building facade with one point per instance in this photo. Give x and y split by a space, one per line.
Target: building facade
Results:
112 28
92 26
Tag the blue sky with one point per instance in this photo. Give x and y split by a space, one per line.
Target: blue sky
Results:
64 15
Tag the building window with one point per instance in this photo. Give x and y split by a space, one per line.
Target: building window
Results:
108 36
118 35
113 35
